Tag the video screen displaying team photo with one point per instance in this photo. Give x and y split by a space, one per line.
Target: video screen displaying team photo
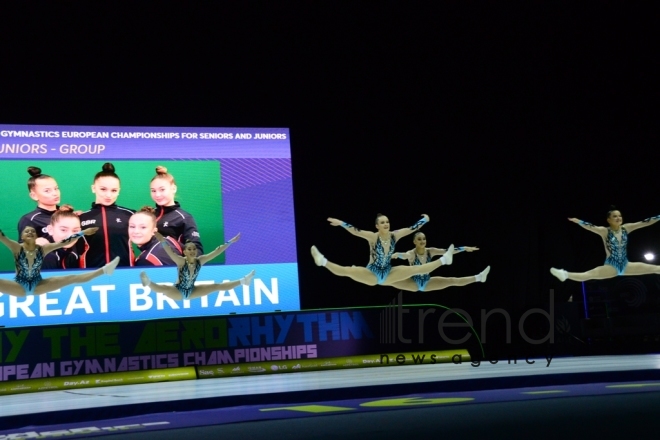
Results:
103 224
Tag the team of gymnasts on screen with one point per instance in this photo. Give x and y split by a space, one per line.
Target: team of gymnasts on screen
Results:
57 237
49 238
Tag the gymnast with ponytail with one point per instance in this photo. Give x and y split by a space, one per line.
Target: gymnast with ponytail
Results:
615 240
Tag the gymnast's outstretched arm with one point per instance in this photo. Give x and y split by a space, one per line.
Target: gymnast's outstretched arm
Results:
203 259
13 246
438 251
600 230
368 235
409 256
50 247
178 259
400 233
644 223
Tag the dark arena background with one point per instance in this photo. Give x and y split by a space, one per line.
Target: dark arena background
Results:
498 120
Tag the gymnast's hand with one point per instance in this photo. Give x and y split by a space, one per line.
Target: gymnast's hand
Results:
334 221
574 220
41 241
426 217
235 238
470 248
90 231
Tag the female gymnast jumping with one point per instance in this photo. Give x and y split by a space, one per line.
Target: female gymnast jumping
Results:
615 239
422 255
43 189
381 243
29 256
189 266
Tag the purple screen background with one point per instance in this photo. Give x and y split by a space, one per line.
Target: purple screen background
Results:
258 202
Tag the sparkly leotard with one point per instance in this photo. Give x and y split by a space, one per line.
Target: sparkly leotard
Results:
618 257
423 279
186 282
381 262
27 276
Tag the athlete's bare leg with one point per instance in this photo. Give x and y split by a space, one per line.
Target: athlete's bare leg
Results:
408 285
205 289
169 291
359 274
53 283
12 288
641 269
599 273
439 283
400 273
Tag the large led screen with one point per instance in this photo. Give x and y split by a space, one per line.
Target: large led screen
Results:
220 182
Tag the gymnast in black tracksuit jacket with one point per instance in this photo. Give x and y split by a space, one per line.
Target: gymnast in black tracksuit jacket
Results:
43 189
172 221
112 238
153 254
141 229
67 258
64 223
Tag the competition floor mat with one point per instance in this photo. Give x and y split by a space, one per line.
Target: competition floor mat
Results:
316 397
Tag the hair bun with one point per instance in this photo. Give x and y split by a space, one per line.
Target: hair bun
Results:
148 209
161 170
108 167
34 171
66 208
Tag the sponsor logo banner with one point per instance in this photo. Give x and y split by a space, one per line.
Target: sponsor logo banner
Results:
97 380
292 366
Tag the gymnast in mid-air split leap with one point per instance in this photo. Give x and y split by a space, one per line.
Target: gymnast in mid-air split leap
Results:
615 239
381 244
29 256
422 255
189 265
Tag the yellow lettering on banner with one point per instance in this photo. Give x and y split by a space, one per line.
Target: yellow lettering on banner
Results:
410 401
545 392
316 409
634 385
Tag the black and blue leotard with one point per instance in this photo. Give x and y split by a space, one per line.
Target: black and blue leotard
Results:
27 276
423 279
186 282
381 263
617 250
